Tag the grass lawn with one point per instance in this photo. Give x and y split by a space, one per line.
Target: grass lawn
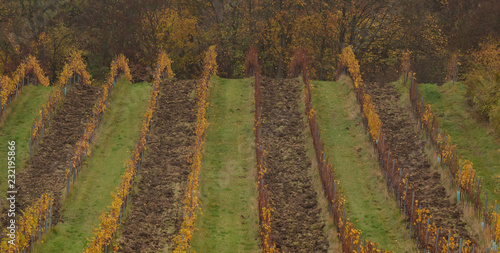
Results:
369 205
474 140
16 126
100 176
229 218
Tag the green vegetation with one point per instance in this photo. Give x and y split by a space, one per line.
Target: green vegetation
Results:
483 83
229 219
90 195
474 140
369 205
17 124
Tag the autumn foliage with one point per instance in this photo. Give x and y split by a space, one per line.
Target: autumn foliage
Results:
11 85
38 213
349 236
462 172
251 63
82 147
424 230
191 201
105 231
483 83
265 209
348 59
74 66
35 219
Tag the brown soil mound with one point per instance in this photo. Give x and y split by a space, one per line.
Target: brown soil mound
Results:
47 169
297 225
156 215
405 145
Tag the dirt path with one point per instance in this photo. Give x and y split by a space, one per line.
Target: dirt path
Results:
47 169
403 140
156 215
297 223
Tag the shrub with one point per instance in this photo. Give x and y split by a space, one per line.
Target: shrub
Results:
483 83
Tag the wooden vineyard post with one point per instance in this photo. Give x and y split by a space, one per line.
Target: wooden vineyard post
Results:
39 223
485 210
378 138
427 232
67 185
399 185
448 247
334 192
455 70
411 216
31 141
406 195
437 241
392 173
387 170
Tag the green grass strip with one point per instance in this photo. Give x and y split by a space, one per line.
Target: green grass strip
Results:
101 174
475 142
16 127
369 205
229 219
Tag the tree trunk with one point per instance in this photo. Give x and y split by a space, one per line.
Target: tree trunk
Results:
280 59
322 58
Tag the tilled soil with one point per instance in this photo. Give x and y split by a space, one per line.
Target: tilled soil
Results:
156 215
297 225
405 145
47 169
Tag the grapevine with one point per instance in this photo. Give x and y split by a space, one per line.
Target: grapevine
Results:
34 220
39 212
347 233
191 201
348 59
462 171
265 209
82 147
420 219
109 221
74 65
10 85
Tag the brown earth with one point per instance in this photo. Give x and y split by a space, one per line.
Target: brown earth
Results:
403 139
156 215
47 169
297 225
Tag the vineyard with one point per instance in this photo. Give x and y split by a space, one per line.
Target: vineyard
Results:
163 173
257 164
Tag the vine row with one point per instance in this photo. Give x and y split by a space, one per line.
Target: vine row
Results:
10 86
82 147
265 209
462 173
349 236
106 230
71 73
30 226
191 202
426 233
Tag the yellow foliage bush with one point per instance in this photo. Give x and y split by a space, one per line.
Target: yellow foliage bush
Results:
28 225
348 59
11 84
